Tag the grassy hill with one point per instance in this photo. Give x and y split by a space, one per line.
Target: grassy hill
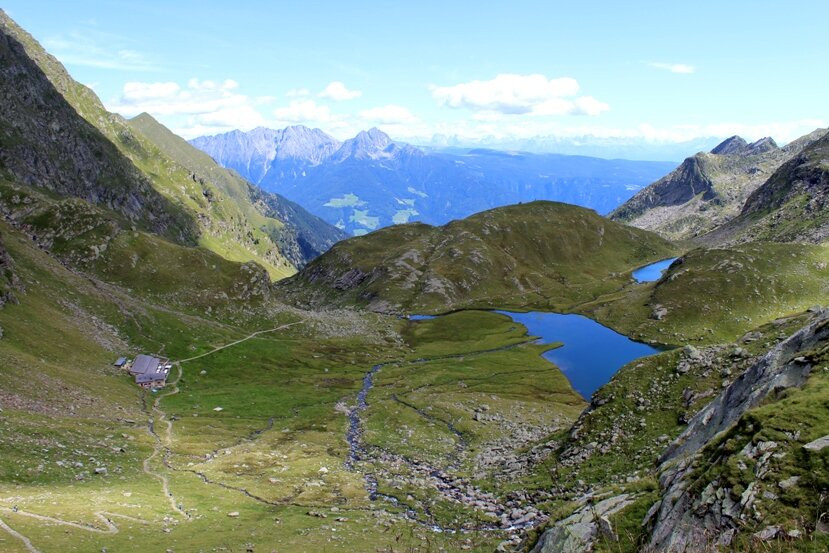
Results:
542 254
716 295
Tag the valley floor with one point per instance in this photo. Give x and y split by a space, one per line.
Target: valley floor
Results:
247 445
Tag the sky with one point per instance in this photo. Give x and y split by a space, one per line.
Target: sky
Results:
656 71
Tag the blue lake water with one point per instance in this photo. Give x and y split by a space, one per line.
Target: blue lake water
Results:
591 353
652 272
420 317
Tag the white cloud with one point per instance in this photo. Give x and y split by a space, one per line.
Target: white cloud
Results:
136 92
303 111
338 91
681 68
390 114
208 106
518 95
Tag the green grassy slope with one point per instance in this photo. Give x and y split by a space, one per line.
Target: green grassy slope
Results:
542 254
716 295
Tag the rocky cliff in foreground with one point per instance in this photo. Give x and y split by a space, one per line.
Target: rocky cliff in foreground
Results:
737 436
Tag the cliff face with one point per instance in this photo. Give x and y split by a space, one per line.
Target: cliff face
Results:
701 506
9 282
46 144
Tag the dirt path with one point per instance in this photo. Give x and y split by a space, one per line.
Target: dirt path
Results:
160 443
26 543
104 516
164 440
255 334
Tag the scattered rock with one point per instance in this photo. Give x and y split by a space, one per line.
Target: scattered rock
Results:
788 482
767 533
818 445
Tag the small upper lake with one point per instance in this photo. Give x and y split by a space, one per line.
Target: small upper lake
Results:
420 317
591 353
652 272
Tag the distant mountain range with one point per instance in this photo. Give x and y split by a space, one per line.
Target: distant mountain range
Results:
371 181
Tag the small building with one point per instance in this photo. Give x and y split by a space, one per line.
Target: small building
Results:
120 362
150 372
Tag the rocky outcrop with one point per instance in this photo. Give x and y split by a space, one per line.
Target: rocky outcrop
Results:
690 179
729 146
9 281
687 520
579 532
736 145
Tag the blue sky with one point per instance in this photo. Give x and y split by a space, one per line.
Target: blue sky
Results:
661 71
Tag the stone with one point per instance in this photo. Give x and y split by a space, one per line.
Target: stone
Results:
101 470
767 533
818 445
233 514
788 482
606 528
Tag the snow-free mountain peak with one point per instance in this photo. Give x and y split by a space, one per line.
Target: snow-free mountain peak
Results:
732 145
737 145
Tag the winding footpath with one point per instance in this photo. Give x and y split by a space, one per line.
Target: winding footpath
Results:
104 516
162 447
163 444
246 338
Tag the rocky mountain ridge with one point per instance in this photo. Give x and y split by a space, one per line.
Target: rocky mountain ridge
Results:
67 155
709 189
791 205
